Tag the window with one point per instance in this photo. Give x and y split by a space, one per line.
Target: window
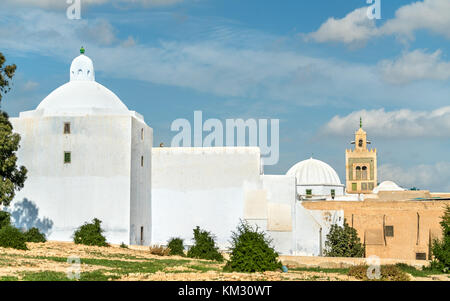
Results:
358 172
363 186
308 193
67 157
354 187
421 256
360 143
333 193
142 134
371 186
389 231
142 235
364 173
142 160
66 127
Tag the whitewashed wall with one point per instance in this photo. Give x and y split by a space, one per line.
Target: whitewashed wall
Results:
95 184
201 187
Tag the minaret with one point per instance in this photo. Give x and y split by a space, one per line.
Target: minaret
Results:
361 165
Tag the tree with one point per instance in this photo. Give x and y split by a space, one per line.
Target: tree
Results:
90 234
441 248
12 177
343 242
251 251
6 75
205 246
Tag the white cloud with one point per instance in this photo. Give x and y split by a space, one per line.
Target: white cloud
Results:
356 27
30 85
401 123
415 65
101 32
433 177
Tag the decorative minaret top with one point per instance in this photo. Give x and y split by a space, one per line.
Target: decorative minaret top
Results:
82 68
360 118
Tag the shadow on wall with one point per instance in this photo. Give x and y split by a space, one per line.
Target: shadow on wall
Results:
25 215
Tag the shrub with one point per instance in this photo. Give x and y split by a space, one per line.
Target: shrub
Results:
251 251
5 219
11 237
159 250
33 235
343 242
123 246
441 248
204 246
176 246
387 273
90 234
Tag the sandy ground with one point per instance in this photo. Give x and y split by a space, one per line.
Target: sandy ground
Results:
16 262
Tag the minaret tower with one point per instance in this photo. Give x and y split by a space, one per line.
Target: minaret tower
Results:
361 165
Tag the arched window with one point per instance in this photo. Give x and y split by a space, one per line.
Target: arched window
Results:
358 172
364 173
360 143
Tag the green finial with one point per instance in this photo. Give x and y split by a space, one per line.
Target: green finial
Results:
82 50
360 122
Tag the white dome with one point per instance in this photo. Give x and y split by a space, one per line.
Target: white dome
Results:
82 93
76 95
82 68
314 172
387 186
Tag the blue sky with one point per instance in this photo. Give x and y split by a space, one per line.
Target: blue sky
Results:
315 65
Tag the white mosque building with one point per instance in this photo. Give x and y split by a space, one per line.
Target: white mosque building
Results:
88 156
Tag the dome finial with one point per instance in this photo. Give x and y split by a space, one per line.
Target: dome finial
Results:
82 50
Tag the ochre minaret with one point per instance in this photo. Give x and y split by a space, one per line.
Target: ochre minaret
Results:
361 165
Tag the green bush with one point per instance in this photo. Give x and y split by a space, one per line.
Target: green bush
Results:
123 245
11 237
176 246
34 235
387 273
251 251
5 219
90 234
204 247
441 248
343 242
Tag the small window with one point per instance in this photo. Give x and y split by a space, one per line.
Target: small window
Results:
363 186
360 143
142 235
421 256
354 187
308 192
67 157
333 193
142 160
389 231
371 186
66 127
142 134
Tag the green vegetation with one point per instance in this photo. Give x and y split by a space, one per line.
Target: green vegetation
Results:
123 246
9 278
176 246
424 272
441 249
204 247
11 237
5 219
342 271
159 250
251 251
34 235
343 242
45 276
387 273
90 234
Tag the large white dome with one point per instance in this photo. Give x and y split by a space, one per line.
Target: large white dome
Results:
76 95
314 172
82 94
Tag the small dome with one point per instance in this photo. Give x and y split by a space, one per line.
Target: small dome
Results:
387 186
314 172
82 69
